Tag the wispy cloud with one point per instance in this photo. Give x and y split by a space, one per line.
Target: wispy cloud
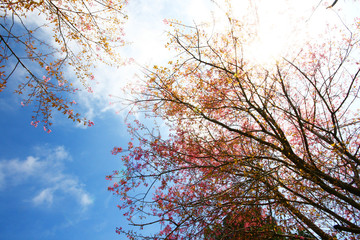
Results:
46 196
46 170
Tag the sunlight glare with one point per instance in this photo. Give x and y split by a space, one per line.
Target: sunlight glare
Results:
280 27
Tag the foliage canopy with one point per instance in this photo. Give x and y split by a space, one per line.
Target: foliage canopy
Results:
283 139
82 31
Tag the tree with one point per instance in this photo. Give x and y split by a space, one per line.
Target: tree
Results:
82 31
250 223
333 4
284 139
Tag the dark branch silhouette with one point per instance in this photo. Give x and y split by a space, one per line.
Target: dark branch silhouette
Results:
332 5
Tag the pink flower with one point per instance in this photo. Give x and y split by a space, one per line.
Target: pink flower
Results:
46 79
90 123
116 150
165 21
22 104
35 124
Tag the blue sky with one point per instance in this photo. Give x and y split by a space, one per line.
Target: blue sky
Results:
52 186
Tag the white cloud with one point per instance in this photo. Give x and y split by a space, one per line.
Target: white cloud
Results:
47 173
26 167
85 199
46 196
14 171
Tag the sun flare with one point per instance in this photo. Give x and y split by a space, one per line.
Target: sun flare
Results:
279 27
